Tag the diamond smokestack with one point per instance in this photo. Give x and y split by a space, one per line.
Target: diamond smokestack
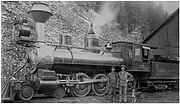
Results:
40 13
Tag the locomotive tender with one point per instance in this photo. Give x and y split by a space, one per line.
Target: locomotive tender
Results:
54 70
152 72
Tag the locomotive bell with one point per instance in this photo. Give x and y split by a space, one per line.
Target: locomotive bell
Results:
40 13
108 46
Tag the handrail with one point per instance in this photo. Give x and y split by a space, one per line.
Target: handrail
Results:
28 71
17 70
67 46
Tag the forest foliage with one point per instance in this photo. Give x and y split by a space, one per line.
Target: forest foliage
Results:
127 21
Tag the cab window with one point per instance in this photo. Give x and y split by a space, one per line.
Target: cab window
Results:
137 54
145 54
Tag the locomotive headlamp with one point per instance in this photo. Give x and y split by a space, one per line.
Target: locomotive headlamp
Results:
40 13
24 30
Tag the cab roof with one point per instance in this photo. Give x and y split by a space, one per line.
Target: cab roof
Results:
152 47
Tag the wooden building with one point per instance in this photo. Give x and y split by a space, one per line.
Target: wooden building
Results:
165 37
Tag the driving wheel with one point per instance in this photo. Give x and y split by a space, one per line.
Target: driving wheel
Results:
131 84
81 90
100 88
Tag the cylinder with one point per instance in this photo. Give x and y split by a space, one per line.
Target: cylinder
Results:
46 85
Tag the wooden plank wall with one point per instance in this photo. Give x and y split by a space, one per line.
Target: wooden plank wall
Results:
167 38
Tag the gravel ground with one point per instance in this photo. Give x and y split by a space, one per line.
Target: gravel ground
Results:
171 96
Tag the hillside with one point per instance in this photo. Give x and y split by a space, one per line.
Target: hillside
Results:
113 21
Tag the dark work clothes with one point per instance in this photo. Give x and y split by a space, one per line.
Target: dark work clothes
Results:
112 79
112 82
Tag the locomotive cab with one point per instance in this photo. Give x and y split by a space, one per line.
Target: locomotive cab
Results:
136 56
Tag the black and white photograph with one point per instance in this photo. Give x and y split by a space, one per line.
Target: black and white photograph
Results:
90 51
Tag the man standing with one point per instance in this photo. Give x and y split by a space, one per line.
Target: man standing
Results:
123 77
112 83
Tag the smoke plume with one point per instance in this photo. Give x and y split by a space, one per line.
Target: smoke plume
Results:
108 12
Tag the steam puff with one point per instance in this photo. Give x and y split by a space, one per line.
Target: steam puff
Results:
108 13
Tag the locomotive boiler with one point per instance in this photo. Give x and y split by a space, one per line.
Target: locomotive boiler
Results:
55 70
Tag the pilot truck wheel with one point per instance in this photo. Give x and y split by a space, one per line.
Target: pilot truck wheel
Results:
59 92
26 92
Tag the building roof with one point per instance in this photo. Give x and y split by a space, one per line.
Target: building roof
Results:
160 26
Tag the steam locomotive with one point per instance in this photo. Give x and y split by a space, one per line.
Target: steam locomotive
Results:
54 70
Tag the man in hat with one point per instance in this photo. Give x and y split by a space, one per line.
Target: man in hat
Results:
123 78
112 83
